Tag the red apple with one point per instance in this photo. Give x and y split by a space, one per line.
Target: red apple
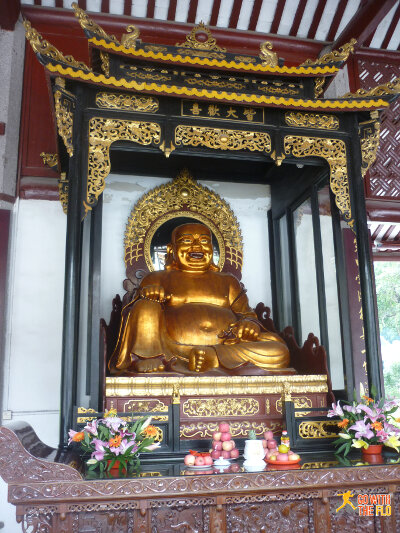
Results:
225 454
225 436
234 453
290 453
216 454
217 435
268 435
216 445
282 457
199 461
294 457
227 445
224 427
272 444
264 443
207 460
233 444
189 459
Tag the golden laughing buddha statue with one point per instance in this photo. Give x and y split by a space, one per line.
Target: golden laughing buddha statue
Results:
192 318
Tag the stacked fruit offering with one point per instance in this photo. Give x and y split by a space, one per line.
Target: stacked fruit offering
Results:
273 452
198 459
222 444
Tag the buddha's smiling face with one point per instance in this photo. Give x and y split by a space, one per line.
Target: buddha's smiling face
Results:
192 247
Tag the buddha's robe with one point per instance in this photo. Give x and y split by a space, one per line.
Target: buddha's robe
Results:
198 309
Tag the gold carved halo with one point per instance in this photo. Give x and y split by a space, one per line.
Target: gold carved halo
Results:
169 216
182 196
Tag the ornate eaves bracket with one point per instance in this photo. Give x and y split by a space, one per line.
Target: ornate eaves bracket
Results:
334 152
207 43
90 27
64 104
336 56
369 141
102 133
390 90
47 53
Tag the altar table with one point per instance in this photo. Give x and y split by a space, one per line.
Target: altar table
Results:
319 495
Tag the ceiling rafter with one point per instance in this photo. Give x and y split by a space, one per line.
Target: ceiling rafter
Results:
336 20
172 10
255 14
316 19
391 28
297 18
364 22
191 18
277 16
151 4
235 13
215 12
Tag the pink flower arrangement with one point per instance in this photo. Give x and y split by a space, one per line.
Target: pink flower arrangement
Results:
366 423
110 439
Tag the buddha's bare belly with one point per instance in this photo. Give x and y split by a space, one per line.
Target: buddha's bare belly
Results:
197 324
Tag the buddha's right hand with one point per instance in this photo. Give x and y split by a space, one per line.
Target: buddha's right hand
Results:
154 293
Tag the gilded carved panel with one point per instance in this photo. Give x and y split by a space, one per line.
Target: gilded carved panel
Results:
221 407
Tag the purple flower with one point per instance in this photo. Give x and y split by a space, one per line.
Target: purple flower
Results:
363 430
113 422
91 427
100 449
124 446
382 435
352 409
336 410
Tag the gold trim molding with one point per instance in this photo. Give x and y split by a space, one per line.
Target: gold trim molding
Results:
222 139
311 120
156 387
63 191
194 43
182 197
317 429
127 102
300 402
237 429
369 141
51 160
269 58
65 120
225 407
90 25
129 41
105 63
386 89
334 152
102 133
42 47
332 57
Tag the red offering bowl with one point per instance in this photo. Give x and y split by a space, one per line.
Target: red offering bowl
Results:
283 463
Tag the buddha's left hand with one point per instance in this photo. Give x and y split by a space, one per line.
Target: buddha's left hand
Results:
247 330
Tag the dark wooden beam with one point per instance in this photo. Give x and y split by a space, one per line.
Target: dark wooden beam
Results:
105 6
172 10
336 20
191 18
2 128
364 22
316 19
255 14
9 13
150 8
392 27
297 18
127 7
277 16
82 4
235 13
215 12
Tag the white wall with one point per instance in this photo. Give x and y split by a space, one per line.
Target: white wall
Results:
249 203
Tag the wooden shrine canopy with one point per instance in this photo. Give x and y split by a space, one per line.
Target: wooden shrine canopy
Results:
197 100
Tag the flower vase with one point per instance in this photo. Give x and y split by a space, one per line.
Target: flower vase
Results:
373 449
115 466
